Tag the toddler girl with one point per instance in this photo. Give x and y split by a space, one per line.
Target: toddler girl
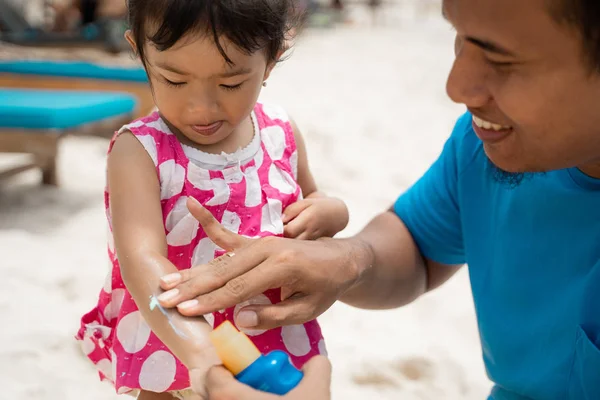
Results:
210 141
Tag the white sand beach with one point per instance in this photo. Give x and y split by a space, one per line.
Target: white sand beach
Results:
371 103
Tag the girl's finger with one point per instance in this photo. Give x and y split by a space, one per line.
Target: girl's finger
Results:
296 226
221 236
293 210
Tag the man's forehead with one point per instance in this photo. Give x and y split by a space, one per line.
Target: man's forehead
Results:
513 23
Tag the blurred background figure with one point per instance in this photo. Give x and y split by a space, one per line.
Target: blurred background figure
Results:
73 13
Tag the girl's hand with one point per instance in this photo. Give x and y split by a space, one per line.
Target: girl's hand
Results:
315 384
314 218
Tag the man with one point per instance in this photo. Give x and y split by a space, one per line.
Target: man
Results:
515 194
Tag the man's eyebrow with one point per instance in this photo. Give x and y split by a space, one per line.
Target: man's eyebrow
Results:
481 43
490 46
235 72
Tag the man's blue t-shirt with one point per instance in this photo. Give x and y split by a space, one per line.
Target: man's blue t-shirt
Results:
533 252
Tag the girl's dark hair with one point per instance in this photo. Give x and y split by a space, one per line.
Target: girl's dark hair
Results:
249 24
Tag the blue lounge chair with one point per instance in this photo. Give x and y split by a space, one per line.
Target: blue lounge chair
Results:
33 122
76 75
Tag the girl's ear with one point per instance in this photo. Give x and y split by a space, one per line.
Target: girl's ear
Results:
272 64
131 41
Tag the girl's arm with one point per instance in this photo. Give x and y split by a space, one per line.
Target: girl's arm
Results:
140 242
317 215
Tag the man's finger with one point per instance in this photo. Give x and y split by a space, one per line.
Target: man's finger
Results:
214 230
221 385
236 290
295 310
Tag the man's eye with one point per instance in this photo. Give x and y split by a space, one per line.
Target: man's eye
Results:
501 64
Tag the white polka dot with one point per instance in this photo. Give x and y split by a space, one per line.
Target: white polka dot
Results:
159 125
295 339
87 345
133 332
180 224
158 372
199 177
259 158
322 348
274 140
105 367
104 331
253 188
231 221
113 361
134 124
124 390
221 192
281 180
260 299
210 318
183 233
204 252
271 217
112 309
108 279
111 241
232 175
172 176
275 112
150 145
294 163
176 214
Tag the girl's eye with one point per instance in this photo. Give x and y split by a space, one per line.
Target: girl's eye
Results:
232 87
174 84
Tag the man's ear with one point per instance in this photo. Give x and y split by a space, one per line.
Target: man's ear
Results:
131 41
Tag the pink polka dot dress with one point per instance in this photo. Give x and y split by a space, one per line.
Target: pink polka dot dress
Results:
247 192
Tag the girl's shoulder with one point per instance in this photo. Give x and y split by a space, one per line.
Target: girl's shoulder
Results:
271 113
152 132
278 136
274 121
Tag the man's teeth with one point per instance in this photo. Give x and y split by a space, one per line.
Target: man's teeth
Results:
488 125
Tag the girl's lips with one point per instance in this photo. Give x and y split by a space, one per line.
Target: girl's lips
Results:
208 130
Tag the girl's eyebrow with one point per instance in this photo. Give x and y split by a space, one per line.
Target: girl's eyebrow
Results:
235 72
171 68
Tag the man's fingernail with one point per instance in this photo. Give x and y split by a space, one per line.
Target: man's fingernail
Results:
188 304
171 278
247 319
168 295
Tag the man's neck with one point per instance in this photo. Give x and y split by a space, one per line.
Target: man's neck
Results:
592 170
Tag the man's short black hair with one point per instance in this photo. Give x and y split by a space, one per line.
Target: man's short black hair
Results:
583 15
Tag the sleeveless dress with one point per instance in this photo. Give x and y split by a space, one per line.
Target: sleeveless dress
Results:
247 192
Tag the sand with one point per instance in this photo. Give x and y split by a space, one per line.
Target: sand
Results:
370 101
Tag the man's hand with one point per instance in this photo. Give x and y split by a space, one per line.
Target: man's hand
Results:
315 385
312 275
